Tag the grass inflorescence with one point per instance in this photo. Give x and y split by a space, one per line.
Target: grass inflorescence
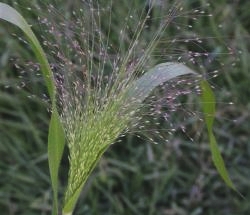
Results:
95 110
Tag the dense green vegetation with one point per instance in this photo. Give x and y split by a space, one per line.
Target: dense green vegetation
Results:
135 176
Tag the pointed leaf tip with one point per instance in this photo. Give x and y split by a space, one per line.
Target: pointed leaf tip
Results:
208 106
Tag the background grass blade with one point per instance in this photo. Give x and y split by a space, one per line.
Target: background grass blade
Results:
208 105
56 134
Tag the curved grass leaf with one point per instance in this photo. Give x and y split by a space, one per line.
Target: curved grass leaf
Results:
56 133
156 76
208 105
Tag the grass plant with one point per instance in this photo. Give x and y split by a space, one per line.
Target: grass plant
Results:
98 110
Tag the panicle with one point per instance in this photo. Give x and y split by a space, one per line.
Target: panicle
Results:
97 50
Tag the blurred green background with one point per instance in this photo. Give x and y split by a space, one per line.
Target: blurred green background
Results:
134 176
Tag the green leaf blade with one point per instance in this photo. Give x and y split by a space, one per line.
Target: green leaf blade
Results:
208 106
56 133
56 142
